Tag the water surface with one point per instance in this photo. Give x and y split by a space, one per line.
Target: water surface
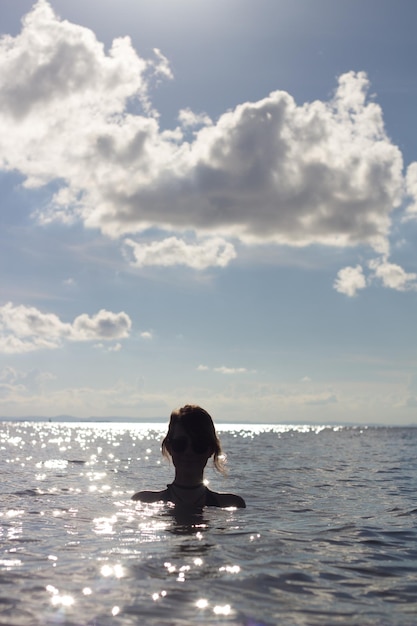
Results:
329 535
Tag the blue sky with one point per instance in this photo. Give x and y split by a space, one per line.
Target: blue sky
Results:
211 202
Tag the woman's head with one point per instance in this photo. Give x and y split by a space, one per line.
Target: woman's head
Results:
197 425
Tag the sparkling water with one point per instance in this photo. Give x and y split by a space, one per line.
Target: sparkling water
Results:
329 534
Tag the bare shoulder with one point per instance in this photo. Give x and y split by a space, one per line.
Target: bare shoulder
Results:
230 499
150 496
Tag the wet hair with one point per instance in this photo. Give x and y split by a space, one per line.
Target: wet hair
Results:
199 426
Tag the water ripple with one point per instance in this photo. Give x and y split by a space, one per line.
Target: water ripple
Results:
329 533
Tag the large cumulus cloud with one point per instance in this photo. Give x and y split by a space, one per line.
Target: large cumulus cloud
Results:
267 171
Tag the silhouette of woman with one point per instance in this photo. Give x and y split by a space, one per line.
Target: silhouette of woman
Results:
190 442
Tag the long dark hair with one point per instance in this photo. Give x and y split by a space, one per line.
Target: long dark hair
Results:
198 425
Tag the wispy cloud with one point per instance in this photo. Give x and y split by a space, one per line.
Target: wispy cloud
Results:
222 369
230 370
411 190
173 251
112 348
188 118
14 381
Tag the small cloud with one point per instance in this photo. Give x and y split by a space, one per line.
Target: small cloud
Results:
411 190
9 375
322 400
306 379
230 370
116 348
350 280
104 325
23 382
69 282
161 67
188 118
25 329
146 335
393 276
214 252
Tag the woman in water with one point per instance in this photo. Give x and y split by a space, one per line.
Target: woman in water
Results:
190 442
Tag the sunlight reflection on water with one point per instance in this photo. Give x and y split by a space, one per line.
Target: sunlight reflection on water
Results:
329 532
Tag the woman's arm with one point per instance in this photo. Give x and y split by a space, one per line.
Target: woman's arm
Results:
225 500
150 496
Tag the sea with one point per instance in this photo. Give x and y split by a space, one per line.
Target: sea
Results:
329 535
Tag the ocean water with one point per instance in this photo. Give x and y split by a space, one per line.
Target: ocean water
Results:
329 535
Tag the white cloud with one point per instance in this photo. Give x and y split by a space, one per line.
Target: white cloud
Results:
230 370
146 335
350 280
13 381
112 348
117 399
411 189
104 325
188 118
57 81
393 276
323 172
162 67
25 329
69 282
223 369
238 400
325 398
9 375
174 251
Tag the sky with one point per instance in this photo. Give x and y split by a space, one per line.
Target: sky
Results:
209 202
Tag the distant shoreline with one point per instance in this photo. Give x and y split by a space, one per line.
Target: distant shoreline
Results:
69 419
